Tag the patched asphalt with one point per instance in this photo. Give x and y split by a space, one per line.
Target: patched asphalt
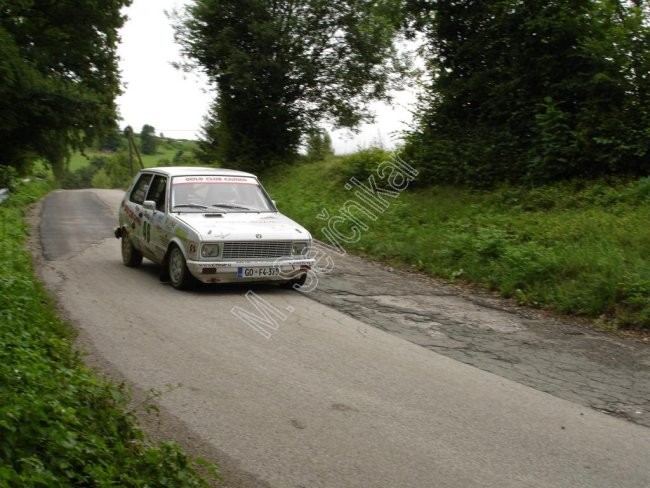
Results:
569 360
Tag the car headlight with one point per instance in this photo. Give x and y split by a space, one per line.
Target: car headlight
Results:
210 250
299 248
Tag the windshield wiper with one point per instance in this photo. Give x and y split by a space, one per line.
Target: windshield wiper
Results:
230 205
190 205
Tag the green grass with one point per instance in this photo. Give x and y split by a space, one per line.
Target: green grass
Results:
60 425
576 248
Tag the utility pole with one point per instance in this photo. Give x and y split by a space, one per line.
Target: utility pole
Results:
133 149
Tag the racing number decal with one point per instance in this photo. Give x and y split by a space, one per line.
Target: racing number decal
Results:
146 231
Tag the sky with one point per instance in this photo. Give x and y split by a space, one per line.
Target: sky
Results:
175 103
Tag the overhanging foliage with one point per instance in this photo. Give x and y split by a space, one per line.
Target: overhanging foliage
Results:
58 77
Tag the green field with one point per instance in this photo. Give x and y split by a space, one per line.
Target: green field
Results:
576 248
113 169
165 153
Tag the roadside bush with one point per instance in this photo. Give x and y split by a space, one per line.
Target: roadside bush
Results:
363 163
632 301
60 424
641 190
100 180
9 177
115 173
80 178
83 177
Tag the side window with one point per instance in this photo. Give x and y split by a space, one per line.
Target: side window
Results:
157 192
140 189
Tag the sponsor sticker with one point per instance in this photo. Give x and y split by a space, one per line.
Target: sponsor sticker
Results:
237 180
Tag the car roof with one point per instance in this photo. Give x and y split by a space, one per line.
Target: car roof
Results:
196 170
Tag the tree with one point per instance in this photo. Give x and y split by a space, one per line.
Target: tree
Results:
112 141
282 66
319 145
328 148
209 149
58 77
148 140
531 91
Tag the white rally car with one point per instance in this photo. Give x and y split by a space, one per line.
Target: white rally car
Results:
211 225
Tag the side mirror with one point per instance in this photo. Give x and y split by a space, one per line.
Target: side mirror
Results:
274 203
149 205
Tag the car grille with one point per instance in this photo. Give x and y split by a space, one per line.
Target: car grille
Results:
256 249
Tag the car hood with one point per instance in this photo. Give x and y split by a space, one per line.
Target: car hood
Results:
244 226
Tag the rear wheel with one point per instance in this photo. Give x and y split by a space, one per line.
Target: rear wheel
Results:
179 276
131 257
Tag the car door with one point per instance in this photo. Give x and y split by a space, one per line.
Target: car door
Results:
134 210
155 237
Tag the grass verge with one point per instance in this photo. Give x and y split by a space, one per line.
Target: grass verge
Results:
577 248
60 424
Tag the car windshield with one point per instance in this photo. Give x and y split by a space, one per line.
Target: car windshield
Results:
219 194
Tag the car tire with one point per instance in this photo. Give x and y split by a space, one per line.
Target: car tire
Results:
131 257
179 276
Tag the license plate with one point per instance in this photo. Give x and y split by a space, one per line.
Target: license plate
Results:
257 272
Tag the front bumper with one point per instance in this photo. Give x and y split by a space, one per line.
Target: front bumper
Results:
232 272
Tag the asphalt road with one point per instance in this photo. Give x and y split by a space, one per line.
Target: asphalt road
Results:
321 399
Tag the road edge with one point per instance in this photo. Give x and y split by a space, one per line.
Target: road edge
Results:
159 424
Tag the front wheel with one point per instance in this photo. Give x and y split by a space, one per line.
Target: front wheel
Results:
179 276
131 257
